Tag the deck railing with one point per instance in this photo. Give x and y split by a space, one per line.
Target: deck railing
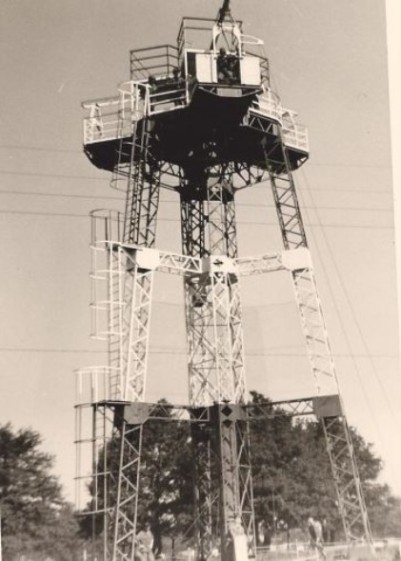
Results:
268 104
102 122
153 61
114 118
295 135
172 96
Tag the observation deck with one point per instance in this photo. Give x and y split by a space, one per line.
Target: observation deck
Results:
217 93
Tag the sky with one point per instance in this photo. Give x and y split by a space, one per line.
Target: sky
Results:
329 63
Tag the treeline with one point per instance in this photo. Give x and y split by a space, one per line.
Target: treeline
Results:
37 522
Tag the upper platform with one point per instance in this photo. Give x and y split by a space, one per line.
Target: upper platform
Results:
216 94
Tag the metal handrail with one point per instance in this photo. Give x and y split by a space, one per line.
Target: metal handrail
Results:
268 104
113 118
296 136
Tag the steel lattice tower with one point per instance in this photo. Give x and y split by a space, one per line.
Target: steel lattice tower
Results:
203 123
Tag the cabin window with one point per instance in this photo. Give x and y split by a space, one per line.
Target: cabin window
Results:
228 68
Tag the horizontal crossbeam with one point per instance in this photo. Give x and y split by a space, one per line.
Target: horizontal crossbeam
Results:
328 406
185 265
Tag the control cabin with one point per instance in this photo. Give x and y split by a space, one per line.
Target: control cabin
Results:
213 87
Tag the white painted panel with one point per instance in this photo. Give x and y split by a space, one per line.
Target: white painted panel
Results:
205 68
250 71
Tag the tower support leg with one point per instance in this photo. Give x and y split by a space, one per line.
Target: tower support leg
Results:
134 304
203 491
237 526
126 499
346 481
215 342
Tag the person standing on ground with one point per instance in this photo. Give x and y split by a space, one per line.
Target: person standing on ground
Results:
261 532
316 536
145 543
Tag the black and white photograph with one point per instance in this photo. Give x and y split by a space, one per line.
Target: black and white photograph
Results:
199 296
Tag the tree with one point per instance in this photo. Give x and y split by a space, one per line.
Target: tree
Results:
291 476
293 480
166 477
166 489
36 521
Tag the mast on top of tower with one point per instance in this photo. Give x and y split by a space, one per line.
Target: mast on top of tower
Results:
224 12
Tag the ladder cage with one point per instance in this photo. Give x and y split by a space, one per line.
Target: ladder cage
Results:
106 274
94 432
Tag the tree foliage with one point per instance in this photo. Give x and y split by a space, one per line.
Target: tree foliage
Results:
166 486
167 480
291 475
36 521
293 480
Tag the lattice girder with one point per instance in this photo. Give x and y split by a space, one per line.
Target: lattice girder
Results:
246 485
129 311
286 200
315 332
235 485
142 190
126 501
203 490
346 478
215 339
193 227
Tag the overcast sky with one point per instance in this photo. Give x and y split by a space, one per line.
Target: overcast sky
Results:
328 62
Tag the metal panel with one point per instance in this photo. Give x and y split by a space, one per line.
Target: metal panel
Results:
250 71
205 68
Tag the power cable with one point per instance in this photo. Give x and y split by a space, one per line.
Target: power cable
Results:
243 222
38 148
52 175
63 195
69 151
170 201
173 352
356 322
107 180
348 343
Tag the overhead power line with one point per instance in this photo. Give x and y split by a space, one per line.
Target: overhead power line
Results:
256 186
359 329
53 175
181 352
175 202
69 151
243 222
